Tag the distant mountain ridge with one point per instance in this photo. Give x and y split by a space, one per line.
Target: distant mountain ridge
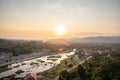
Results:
60 41
97 39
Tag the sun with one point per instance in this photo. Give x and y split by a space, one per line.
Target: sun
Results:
60 30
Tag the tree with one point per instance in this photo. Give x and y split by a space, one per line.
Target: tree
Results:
81 72
66 62
64 75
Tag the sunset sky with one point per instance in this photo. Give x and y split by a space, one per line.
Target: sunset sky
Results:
38 18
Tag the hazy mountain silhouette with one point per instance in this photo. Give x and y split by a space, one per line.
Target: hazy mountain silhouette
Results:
60 41
98 39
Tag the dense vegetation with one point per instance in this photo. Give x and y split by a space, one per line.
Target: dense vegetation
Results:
4 68
99 67
17 47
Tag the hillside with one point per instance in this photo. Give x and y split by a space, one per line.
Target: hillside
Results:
99 67
98 39
60 41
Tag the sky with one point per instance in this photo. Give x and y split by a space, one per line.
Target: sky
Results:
38 18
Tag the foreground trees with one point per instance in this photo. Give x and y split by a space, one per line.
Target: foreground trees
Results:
100 67
64 75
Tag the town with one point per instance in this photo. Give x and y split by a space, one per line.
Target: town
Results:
19 66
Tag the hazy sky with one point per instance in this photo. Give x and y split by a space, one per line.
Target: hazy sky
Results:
37 18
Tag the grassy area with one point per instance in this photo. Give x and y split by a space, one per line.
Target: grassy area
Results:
34 63
50 62
23 64
53 59
4 68
40 61
57 56
19 72
64 64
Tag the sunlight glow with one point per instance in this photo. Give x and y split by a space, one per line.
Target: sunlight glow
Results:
60 30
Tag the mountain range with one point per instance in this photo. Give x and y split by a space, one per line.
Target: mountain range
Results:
97 39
